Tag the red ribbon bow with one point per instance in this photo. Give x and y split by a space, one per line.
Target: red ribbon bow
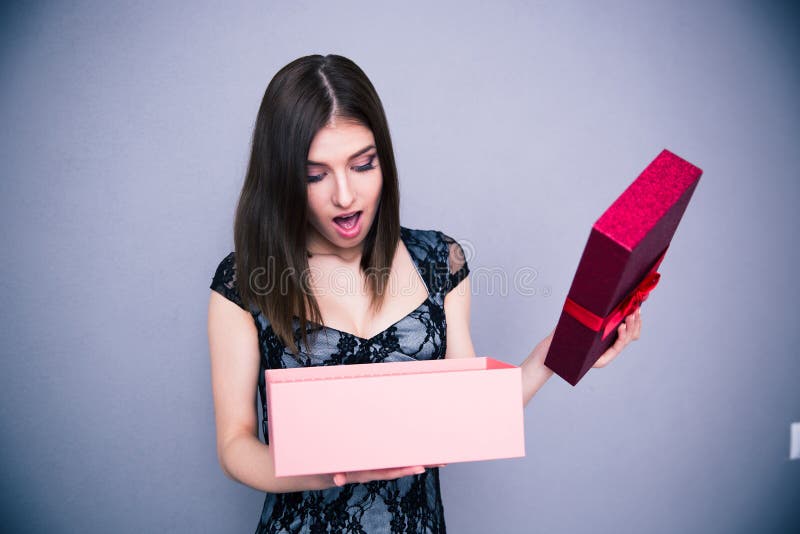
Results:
628 305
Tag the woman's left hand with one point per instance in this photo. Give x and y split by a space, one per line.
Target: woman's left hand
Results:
628 331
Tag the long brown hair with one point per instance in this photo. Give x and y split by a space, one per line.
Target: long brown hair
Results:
271 216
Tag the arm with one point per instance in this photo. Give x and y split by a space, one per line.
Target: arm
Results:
534 372
233 344
457 311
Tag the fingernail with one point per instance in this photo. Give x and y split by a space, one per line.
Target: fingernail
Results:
419 470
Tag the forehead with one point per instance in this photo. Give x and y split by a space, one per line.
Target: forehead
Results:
339 140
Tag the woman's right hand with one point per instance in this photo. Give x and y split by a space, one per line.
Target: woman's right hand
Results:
340 479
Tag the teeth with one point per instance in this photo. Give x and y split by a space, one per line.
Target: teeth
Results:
347 222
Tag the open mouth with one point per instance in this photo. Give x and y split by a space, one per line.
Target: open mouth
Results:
348 223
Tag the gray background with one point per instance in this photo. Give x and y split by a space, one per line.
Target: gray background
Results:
124 144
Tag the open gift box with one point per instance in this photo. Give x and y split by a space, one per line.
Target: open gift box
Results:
619 264
331 419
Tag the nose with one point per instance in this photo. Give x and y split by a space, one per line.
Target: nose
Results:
343 195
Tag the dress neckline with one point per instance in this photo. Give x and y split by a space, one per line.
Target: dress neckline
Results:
428 299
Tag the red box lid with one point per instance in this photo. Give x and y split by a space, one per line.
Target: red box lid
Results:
625 243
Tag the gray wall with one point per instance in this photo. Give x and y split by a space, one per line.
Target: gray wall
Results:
124 143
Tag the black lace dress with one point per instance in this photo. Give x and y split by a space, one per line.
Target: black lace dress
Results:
406 505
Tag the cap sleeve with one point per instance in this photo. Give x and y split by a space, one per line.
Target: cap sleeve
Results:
224 281
457 263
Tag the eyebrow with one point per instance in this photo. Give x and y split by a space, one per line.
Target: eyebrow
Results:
309 162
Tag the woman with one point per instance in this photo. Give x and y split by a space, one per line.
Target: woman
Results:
332 278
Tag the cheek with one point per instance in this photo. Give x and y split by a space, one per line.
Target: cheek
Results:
377 187
318 192
314 206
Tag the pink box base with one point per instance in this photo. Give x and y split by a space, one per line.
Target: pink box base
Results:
370 416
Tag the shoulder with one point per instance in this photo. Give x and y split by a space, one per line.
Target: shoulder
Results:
419 238
225 275
439 251
433 241
225 280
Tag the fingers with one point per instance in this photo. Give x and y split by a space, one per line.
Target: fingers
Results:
624 335
340 479
417 470
626 331
638 327
390 473
629 325
629 330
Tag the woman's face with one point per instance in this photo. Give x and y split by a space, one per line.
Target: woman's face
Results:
343 177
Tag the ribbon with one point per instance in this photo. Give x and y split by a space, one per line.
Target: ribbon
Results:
628 305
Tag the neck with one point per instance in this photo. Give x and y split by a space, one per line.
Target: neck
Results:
318 246
328 250
344 255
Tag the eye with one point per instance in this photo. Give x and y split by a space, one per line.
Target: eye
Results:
316 178
367 166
